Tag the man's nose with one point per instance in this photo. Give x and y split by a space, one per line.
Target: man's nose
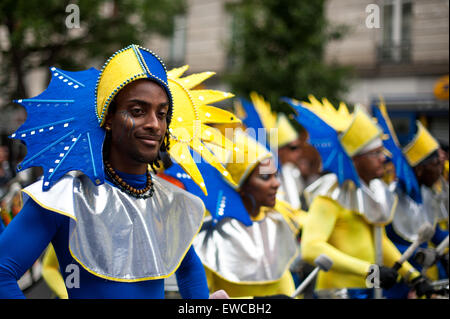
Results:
151 121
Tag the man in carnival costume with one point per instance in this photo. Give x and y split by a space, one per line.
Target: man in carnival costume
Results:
121 232
349 206
418 168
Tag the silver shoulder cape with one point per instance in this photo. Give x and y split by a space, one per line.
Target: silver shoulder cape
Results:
375 202
410 215
121 238
260 253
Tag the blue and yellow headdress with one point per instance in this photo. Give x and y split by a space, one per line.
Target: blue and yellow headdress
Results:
406 158
336 134
63 131
404 173
258 114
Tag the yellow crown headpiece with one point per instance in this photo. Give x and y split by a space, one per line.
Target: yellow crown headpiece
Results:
421 146
361 132
357 129
189 130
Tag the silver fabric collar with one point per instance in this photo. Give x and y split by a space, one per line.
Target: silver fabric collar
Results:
410 215
121 238
259 253
375 202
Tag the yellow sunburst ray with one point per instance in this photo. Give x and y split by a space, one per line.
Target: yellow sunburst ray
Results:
239 110
209 96
212 160
213 135
264 110
191 81
182 156
211 114
177 72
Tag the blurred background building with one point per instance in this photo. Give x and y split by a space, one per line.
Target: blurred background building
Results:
403 60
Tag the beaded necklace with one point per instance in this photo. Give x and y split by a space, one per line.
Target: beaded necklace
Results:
130 190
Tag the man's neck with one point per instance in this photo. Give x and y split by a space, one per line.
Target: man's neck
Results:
129 167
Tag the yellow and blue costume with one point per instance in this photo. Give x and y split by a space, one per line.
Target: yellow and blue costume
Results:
123 246
345 214
242 255
418 204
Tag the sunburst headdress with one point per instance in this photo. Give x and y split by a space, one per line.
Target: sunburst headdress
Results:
64 127
336 133
189 129
258 114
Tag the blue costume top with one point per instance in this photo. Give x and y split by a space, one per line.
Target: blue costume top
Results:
30 232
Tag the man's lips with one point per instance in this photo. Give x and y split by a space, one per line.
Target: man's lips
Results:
150 140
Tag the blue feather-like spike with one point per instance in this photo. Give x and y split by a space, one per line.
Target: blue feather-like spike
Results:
253 122
222 200
326 140
61 131
406 179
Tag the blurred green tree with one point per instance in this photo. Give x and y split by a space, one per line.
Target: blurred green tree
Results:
41 33
277 49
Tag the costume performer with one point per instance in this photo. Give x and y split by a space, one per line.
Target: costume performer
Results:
417 168
126 230
282 139
248 241
349 206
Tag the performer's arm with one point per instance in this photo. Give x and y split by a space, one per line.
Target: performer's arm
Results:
320 223
191 277
21 243
391 255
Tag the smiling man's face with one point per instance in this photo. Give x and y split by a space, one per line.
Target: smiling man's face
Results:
138 125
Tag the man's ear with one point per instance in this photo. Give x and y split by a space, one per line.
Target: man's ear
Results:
108 122
418 170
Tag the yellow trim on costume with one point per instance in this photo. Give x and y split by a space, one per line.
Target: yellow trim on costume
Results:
421 146
112 278
47 207
253 282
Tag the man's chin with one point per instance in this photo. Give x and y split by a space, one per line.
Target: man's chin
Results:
147 158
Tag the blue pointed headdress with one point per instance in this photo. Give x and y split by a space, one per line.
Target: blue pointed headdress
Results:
63 130
222 201
405 175
326 140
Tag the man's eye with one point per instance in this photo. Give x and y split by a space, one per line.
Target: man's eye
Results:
137 111
264 177
162 114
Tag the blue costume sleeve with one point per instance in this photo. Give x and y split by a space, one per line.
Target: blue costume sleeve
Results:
439 235
22 242
191 277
